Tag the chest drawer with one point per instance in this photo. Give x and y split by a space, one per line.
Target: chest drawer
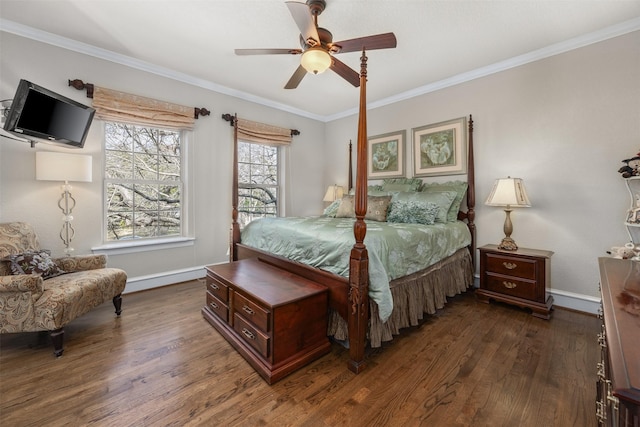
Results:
252 336
511 266
511 286
251 311
217 306
217 288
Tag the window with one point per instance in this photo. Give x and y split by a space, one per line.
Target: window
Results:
143 182
258 182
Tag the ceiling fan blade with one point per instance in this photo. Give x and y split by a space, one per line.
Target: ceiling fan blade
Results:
268 51
296 78
345 72
304 20
379 41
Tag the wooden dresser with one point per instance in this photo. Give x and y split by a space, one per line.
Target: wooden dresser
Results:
518 277
275 319
618 385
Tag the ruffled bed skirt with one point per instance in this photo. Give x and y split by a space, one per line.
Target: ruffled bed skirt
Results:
422 292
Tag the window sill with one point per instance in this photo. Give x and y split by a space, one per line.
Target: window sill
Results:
132 246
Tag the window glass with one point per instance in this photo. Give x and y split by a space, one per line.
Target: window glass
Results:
258 182
143 182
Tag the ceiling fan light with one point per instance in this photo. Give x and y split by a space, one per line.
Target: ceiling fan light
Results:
315 60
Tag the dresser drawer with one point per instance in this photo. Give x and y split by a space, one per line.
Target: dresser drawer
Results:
511 286
252 336
512 266
217 306
217 288
251 311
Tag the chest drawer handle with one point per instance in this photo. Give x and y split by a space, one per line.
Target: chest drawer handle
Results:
247 333
509 285
214 286
213 305
248 310
510 265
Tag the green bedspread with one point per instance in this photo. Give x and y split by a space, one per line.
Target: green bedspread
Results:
395 249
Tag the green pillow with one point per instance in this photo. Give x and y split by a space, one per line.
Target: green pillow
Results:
332 209
413 212
442 199
460 187
402 184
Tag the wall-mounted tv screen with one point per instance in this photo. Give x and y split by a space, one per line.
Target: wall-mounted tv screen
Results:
41 113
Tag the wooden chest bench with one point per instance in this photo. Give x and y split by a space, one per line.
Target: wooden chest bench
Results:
275 319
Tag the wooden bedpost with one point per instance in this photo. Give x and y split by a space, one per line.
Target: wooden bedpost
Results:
359 261
350 179
471 195
234 237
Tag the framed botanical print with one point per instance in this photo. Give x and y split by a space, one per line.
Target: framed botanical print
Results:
386 155
440 148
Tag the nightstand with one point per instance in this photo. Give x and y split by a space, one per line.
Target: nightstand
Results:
516 277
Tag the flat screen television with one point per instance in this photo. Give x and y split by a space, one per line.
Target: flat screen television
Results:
41 113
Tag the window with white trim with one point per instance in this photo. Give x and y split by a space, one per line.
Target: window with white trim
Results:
143 182
258 181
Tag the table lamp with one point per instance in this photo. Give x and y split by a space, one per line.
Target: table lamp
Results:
334 192
510 193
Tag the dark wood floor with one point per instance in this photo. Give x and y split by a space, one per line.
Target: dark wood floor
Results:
162 364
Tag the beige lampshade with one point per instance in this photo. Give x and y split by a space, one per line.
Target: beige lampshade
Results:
334 192
315 60
508 192
52 166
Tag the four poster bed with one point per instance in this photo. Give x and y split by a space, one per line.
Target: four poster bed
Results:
357 313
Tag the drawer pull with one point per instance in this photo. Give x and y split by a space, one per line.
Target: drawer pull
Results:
600 370
214 305
214 286
248 310
247 333
509 265
509 285
601 412
602 340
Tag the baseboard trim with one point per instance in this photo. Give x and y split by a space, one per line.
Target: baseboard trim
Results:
570 300
577 302
142 283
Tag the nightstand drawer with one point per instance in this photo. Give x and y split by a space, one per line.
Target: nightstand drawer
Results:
251 335
251 311
217 306
217 288
511 266
511 286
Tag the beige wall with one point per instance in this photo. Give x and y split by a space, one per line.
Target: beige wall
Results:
24 198
563 124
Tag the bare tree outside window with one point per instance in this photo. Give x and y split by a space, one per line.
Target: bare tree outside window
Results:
257 182
143 182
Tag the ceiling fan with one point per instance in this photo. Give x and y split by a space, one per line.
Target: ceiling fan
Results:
318 47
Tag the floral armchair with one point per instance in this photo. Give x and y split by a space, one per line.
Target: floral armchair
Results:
40 293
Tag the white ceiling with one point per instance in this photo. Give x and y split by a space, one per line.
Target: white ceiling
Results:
439 42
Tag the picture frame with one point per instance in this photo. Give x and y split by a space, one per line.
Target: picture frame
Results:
440 148
386 155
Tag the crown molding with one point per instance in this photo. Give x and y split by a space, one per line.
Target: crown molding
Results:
107 55
536 55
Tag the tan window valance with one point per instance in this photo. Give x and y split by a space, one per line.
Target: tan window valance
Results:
125 107
263 133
